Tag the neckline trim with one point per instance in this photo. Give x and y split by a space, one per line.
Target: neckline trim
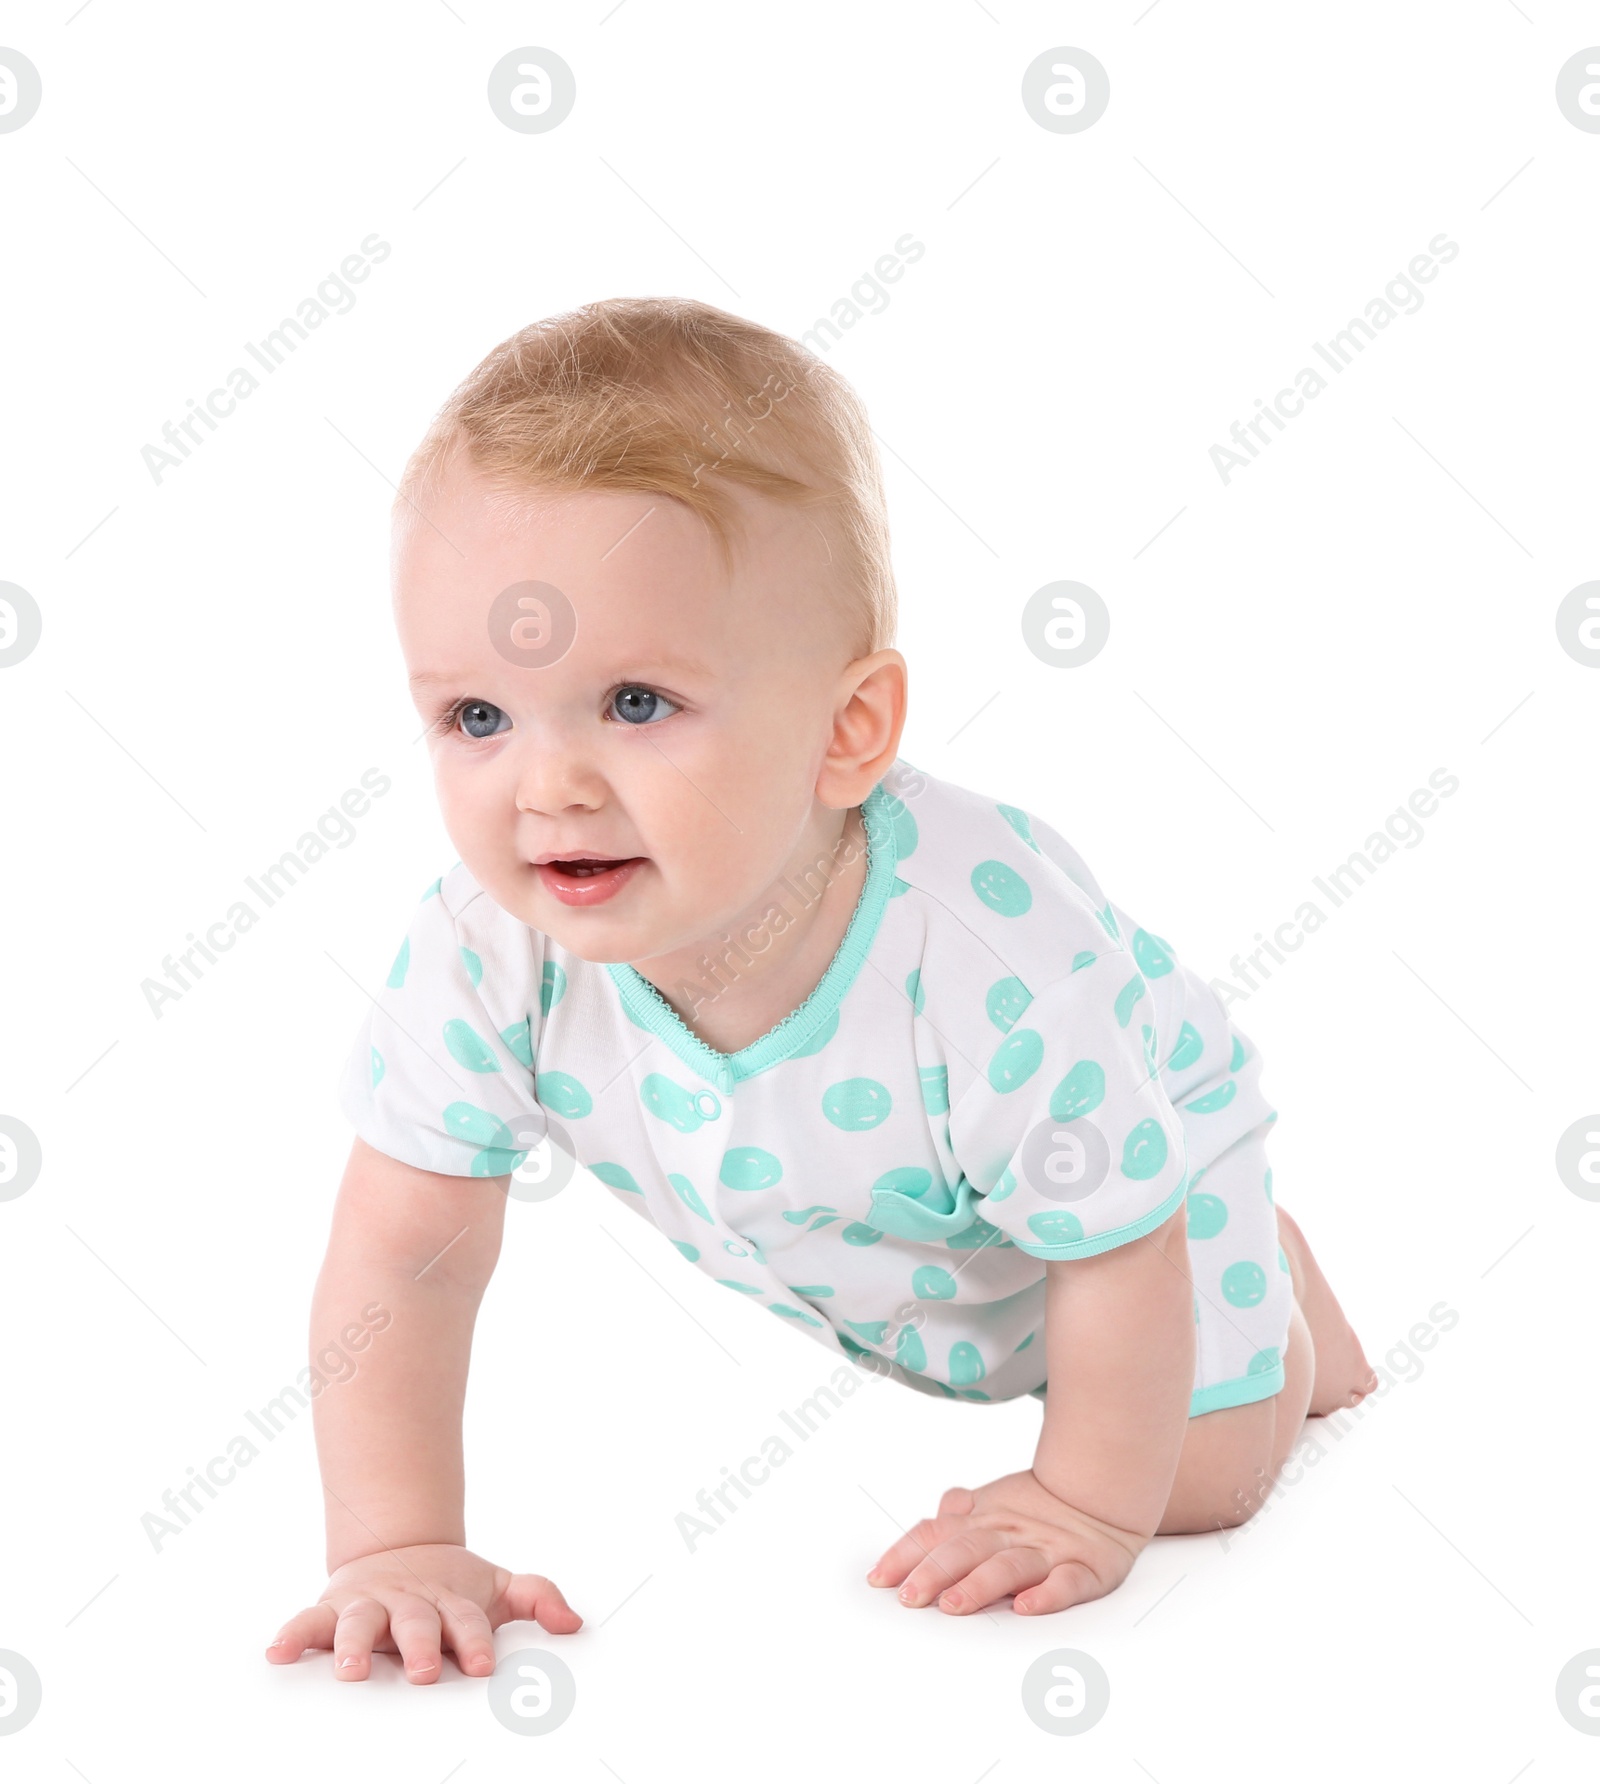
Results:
789 1034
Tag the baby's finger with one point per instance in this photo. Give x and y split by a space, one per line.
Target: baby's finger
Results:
1068 1583
414 1624
468 1635
361 1623
310 1628
531 1598
1012 1570
916 1545
947 1563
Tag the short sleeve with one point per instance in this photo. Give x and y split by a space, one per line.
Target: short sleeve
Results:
433 1078
1210 1068
1067 1134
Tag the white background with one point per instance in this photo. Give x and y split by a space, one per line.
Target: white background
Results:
1373 599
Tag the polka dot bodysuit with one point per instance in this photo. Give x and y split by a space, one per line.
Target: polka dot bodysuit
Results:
998 1068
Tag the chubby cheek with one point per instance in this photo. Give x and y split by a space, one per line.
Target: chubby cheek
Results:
476 818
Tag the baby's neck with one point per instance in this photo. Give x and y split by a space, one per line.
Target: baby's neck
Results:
752 992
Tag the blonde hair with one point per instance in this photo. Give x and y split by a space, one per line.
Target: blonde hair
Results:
676 398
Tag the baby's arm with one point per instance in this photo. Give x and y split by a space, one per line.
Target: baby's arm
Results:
1120 1356
389 1439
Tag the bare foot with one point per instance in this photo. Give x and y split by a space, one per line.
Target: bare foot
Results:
1343 1375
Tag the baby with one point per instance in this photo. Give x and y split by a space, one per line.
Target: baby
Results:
874 1051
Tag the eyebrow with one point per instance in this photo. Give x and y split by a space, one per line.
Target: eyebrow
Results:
690 665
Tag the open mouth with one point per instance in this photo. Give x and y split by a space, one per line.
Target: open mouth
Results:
588 880
583 870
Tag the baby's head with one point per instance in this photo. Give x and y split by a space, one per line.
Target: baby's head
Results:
643 590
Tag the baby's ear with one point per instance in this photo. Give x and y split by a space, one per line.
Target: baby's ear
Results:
869 716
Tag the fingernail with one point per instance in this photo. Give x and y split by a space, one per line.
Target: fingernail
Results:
953 1599
350 1660
906 1595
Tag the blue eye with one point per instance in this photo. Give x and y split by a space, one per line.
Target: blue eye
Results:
636 705
478 718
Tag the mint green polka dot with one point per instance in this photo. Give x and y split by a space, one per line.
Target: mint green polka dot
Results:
1283 1262
473 965
378 1067
691 1252
1264 1361
825 1033
1108 922
1214 1099
744 1288
688 1195
859 1233
397 972
466 1121
931 1283
908 1351
897 886
468 1047
749 1167
1082 959
1244 1284
1127 997
1018 820
1004 1186
974 1237
563 1095
1266 1183
1144 1151
433 891
1007 999
1083 1089
671 1102
1016 1059
906 1180
1239 1055
1151 955
1148 1036
1208 1215
614 1177
849 1346
966 1364
1060 1226
552 987
1002 888
873 1330
935 1082
496 1161
518 1038
792 1313
1188 1050
815 1291
1026 1342
856 1104
905 827
914 989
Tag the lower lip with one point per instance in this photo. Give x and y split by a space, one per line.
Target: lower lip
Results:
594 888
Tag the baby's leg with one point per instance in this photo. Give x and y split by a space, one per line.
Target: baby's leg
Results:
1343 1375
1231 1457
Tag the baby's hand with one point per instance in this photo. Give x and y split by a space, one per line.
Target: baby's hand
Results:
416 1601
1012 1536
